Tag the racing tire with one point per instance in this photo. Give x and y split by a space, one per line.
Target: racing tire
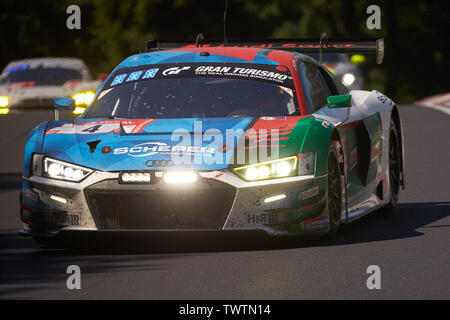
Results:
394 167
334 188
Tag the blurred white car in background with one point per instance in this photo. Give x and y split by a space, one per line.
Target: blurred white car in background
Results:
35 83
343 68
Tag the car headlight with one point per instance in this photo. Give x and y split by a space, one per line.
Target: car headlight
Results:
180 177
348 78
64 171
82 99
301 164
4 101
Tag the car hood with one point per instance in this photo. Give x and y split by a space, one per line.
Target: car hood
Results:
141 144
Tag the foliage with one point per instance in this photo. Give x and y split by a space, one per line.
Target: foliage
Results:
414 62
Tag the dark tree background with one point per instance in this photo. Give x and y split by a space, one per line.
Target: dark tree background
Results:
415 32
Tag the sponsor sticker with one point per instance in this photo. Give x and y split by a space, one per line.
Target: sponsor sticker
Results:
325 123
174 70
308 193
151 148
255 73
31 195
66 219
106 126
275 74
262 218
383 99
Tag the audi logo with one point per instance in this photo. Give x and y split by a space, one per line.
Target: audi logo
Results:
159 163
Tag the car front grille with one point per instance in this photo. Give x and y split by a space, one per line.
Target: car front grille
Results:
204 205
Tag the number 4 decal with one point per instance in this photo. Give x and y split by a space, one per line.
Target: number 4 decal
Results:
92 129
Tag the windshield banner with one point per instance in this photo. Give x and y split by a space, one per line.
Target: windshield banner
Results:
279 75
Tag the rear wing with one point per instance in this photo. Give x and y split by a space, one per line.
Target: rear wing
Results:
323 45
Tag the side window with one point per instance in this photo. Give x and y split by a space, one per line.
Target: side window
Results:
329 81
335 85
314 88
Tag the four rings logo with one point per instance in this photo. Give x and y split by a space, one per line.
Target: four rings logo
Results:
159 163
174 70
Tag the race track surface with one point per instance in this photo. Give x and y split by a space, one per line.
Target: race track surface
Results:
410 245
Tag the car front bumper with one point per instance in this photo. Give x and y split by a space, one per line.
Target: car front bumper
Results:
218 201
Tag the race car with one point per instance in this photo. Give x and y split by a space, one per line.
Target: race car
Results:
35 83
256 137
342 67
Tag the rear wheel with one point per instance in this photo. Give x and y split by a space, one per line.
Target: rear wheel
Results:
334 188
394 166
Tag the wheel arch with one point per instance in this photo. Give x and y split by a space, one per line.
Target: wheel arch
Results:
33 145
318 139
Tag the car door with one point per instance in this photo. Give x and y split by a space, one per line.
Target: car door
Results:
361 138
360 133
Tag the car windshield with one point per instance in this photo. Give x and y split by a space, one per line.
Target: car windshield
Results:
41 76
194 94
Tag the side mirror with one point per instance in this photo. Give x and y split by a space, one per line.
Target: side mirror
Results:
342 101
63 104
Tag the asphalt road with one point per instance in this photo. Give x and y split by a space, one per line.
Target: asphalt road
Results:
410 245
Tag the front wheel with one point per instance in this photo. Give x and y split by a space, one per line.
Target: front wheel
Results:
394 167
334 188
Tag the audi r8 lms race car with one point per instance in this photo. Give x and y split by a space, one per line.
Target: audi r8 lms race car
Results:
35 83
211 137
